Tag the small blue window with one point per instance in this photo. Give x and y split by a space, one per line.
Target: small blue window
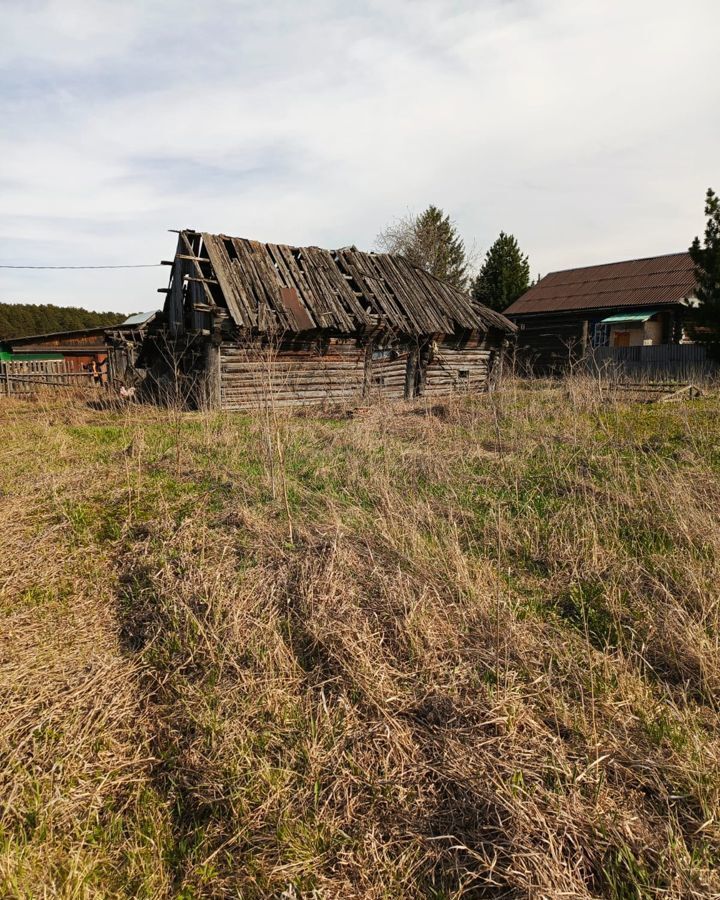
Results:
600 335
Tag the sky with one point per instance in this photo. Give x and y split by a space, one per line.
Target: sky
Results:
590 129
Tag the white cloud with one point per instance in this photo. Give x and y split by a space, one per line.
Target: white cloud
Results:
583 127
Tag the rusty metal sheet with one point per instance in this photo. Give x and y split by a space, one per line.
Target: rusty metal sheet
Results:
290 300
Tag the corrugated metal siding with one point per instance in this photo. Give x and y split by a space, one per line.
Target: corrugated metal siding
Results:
682 361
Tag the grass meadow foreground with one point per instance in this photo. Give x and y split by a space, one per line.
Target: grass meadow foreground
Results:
468 650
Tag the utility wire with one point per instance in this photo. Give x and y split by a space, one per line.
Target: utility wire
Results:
141 266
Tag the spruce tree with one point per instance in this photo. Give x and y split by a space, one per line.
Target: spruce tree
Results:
432 242
504 275
706 258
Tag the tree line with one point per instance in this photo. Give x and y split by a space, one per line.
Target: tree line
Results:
432 241
21 319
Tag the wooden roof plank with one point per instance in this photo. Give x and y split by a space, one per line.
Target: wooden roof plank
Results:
198 268
327 313
374 290
343 302
403 296
291 275
242 284
266 281
241 311
433 301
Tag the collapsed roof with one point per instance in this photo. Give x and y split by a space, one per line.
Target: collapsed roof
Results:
275 286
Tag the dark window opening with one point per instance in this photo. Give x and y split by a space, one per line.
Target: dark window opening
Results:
463 374
230 247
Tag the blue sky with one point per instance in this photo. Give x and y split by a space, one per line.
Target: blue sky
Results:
588 128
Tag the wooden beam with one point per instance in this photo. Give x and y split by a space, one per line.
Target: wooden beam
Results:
192 253
169 262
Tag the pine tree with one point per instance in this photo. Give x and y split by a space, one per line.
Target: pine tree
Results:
706 328
504 275
430 241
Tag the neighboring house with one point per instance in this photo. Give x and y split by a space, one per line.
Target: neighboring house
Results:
246 322
79 349
639 303
88 350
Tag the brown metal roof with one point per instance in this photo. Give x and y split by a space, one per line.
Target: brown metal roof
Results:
653 281
57 335
268 286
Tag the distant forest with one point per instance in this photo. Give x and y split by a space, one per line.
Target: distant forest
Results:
20 319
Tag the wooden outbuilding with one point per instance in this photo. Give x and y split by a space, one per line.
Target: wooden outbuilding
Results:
99 355
244 322
79 349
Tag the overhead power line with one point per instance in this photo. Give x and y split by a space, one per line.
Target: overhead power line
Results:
140 266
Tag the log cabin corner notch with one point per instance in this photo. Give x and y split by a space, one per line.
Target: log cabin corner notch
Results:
245 320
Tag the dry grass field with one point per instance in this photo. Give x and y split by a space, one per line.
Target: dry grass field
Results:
468 650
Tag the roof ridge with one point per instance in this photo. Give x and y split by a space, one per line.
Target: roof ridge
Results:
618 262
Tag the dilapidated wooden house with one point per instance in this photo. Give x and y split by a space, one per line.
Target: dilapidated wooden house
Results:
246 321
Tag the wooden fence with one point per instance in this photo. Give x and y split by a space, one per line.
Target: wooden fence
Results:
683 362
18 378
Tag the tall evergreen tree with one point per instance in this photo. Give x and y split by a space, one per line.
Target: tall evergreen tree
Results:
707 272
430 241
504 275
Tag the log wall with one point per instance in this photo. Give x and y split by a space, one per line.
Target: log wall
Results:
317 369
291 374
458 366
548 344
387 374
